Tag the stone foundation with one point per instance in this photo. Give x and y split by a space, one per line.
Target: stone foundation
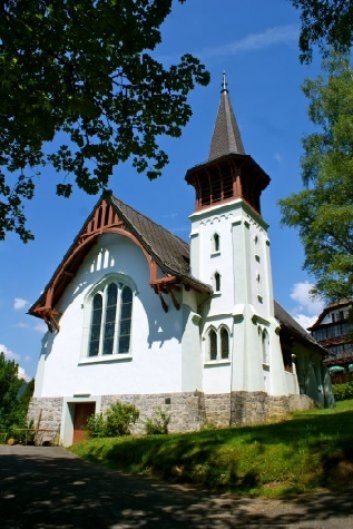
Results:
188 411
46 416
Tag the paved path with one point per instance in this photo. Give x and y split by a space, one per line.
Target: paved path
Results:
47 488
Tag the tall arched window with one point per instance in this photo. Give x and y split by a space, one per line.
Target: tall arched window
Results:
212 336
224 343
110 320
125 320
96 321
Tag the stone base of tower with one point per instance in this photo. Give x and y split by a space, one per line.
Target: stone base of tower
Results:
244 407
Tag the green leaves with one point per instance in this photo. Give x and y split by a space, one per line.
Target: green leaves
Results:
328 23
84 69
323 211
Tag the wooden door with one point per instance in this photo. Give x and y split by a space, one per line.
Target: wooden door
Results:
83 411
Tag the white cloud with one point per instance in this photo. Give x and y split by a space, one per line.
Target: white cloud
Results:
254 41
309 307
10 355
304 320
278 157
22 374
301 293
22 325
20 303
41 327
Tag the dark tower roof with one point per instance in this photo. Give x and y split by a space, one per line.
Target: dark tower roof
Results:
226 137
229 173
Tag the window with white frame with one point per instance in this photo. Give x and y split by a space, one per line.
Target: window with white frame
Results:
218 344
110 306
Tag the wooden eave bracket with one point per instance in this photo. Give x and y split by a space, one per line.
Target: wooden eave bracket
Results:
50 316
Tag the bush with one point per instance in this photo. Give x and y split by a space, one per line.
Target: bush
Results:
120 417
158 423
117 420
96 425
343 391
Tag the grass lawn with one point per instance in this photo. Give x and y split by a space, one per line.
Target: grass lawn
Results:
308 451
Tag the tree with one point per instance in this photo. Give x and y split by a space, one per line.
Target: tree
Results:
323 211
328 23
13 408
81 72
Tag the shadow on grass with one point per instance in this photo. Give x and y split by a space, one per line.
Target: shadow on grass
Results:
48 488
309 451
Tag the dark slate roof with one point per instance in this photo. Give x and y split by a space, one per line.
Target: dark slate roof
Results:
226 137
169 251
295 329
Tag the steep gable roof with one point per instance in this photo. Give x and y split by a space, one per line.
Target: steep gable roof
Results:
111 215
170 252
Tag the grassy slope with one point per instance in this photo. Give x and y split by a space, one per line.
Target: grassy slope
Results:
313 449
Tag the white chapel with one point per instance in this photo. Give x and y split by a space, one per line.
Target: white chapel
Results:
136 314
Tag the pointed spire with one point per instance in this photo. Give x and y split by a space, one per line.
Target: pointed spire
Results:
226 137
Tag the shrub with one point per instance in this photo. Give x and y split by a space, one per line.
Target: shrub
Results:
158 422
96 425
120 417
117 420
343 391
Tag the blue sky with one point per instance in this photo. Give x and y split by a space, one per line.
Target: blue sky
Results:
255 43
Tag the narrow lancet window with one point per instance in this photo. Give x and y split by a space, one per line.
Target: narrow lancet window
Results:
125 320
96 319
212 345
217 282
216 240
110 317
224 343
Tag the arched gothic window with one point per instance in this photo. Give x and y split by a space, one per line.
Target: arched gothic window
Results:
218 344
110 319
224 343
212 336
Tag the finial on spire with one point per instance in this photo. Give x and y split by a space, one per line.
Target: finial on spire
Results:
224 83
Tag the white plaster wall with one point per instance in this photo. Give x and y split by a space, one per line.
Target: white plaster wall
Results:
155 363
216 377
191 349
246 295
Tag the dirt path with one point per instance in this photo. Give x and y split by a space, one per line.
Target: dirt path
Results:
47 488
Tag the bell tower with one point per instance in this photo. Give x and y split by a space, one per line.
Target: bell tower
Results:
230 251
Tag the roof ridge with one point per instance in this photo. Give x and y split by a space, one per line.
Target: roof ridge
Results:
114 198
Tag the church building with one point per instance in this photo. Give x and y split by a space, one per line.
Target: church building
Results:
136 314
